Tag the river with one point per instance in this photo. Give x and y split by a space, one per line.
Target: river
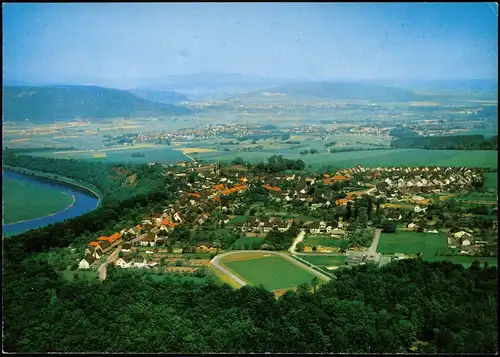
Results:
85 201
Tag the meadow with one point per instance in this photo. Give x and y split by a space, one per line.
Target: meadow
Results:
28 200
412 242
273 272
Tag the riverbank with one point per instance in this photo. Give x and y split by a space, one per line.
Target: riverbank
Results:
91 188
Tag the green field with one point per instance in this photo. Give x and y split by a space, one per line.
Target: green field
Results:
412 242
27 200
243 242
237 219
325 261
273 272
157 153
474 196
373 158
326 242
491 180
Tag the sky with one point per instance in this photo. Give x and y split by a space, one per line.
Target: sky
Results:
320 41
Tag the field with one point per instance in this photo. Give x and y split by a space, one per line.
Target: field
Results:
272 271
491 180
325 261
152 153
326 242
43 200
412 243
246 243
373 158
237 219
474 197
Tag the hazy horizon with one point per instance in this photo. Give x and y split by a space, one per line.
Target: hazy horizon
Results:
77 43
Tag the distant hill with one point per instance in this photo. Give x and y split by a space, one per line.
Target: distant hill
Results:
160 96
215 85
339 90
50 103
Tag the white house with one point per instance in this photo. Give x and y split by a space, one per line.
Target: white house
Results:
140 263
418 209
86 262
124 262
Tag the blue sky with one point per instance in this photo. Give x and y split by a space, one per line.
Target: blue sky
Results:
78 41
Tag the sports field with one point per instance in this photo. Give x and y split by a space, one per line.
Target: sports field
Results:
24 200
272 271
412 242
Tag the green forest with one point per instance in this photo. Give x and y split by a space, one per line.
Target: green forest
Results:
454 142
408 305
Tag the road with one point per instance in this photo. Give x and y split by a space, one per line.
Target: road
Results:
373 247
216 264
111 258
297 240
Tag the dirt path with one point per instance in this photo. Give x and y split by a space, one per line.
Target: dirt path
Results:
297 240
373 247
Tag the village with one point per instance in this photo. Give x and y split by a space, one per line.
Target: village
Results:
220 206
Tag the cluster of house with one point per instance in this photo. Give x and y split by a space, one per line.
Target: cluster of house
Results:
465 240
425 180
254 224
96 249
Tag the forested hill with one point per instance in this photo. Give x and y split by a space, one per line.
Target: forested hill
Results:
49 103
160 96
341 90
453 142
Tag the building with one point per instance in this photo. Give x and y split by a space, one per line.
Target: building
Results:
86 262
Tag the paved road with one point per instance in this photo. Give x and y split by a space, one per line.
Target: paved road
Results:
373 247
216 264
297 240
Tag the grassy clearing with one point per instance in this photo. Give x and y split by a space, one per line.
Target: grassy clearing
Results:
412 243
238 219
325 261
24 200
273 272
